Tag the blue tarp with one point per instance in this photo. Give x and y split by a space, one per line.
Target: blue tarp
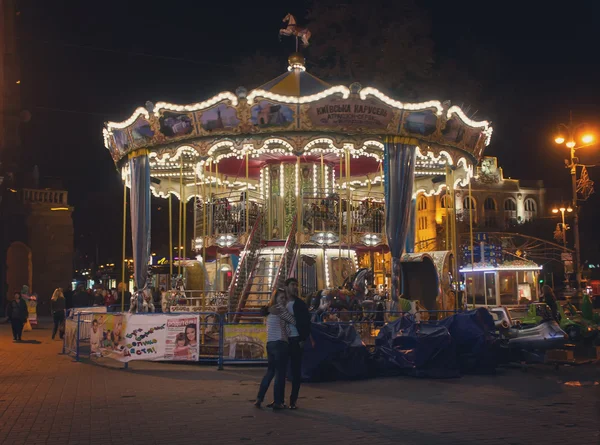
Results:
416 349
474 340
338 354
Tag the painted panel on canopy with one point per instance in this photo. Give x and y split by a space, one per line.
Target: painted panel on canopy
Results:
121 140
454 131
174 125
222 118
142 131
420 123
268 114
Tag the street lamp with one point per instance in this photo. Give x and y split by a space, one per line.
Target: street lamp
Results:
567 135
562 211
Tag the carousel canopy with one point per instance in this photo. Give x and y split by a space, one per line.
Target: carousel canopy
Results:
296 115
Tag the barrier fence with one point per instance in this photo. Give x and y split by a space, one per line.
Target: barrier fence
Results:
205 337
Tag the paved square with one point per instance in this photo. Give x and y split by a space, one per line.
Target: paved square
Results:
47 398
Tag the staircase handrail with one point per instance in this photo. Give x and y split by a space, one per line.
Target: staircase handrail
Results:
288 249
248 284
245 256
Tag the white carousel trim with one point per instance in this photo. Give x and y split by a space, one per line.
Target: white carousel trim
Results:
226 95
370 91
338 89
140 111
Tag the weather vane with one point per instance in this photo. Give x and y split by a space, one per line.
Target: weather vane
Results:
292 29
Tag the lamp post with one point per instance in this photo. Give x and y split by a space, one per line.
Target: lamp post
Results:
563 226
566 135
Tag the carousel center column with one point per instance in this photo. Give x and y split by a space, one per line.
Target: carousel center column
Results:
140 206
399 168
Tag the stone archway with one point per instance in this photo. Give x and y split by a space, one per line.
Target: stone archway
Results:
18 267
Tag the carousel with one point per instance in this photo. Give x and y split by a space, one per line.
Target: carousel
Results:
296 178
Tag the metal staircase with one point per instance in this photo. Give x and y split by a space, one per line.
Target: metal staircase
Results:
246 265
271 269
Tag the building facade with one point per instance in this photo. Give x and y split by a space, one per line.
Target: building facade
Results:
496 204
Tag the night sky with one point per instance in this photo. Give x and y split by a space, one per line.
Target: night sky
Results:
84 63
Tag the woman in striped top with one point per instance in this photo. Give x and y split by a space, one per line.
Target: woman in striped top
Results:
278 321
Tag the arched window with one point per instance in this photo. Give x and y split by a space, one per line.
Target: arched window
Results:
510 205
469 206
510 212
468 203
422 223
489 204
489 213
444 202
530 209
421 203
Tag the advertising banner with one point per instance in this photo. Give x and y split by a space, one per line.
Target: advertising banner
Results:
245 342
126 337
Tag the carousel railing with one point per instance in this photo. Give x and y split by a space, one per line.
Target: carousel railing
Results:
194 300
246 264
321 212
228 212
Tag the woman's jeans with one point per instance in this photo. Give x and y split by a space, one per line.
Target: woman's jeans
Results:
59 317
277 353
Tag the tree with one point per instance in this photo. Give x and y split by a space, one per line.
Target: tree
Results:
387 45
375 42
258 68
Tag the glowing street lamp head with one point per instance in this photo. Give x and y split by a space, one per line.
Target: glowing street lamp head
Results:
554 210
570 144
587 138
559 140
562 209
569 209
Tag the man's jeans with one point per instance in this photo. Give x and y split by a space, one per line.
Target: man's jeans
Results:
277 353
296 349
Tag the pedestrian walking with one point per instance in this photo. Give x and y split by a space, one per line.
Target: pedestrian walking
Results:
299 333
17 314
58 305
277 350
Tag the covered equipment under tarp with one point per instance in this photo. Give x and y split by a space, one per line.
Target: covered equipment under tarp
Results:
338 354
416 349
474 340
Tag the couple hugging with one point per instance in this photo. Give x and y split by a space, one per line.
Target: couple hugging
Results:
288 326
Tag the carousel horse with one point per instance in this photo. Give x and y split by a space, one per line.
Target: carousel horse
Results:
292 29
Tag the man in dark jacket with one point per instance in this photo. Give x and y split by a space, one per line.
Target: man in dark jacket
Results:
298 335
17 314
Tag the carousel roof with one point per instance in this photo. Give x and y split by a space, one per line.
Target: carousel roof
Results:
298 115
296 82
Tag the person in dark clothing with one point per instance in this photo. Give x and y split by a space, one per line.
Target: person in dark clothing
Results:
58 304
298 335
98 298
549 298
68 298
81 298
17 314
